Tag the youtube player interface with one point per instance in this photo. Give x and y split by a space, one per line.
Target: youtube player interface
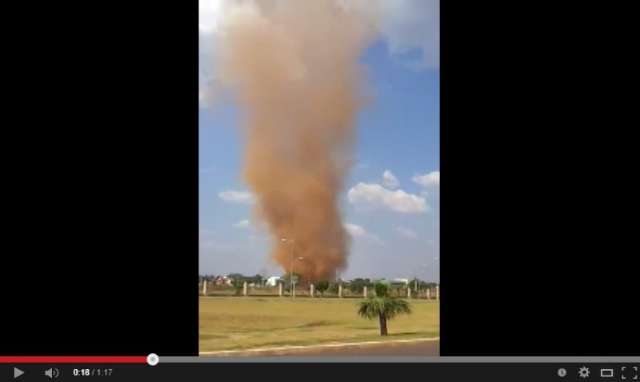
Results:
257 186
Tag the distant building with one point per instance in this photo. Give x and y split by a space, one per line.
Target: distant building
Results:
272 281
223 280
400 281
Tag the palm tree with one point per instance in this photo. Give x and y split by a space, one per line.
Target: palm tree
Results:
383 307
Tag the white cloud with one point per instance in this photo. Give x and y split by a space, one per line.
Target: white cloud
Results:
378 196
242 224
358 232
233 196
355 230
389 180
209 15
412 25
410 28
406 232
431 179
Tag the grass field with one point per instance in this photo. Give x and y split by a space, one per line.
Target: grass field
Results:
228 323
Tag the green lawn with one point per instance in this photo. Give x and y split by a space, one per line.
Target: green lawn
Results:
228 323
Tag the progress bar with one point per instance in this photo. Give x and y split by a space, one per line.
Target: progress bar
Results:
153 359
404 359
73 359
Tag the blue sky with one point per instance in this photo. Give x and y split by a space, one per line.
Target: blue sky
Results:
390 202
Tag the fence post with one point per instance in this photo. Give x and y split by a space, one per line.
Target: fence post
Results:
204 287
340 290
428 293
408 292
244 289
364 292
280 289
437 292
311 290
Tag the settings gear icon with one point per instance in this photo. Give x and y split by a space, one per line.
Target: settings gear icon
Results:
583 372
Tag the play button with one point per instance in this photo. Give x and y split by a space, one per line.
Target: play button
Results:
17 372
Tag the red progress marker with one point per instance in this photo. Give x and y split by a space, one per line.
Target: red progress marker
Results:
73 359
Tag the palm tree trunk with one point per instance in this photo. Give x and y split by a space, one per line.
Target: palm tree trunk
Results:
383 325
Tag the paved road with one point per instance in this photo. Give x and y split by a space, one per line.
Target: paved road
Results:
420 348
426 348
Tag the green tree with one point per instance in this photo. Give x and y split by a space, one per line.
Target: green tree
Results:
322 287
286 279
238 285
333 287
421 284
236 276
357 285
258 279
383 307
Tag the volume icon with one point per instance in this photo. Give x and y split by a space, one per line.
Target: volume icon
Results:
52 373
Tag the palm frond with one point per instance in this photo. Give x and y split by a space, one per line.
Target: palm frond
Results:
372 307
395 306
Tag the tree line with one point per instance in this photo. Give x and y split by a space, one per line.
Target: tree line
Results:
356 285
